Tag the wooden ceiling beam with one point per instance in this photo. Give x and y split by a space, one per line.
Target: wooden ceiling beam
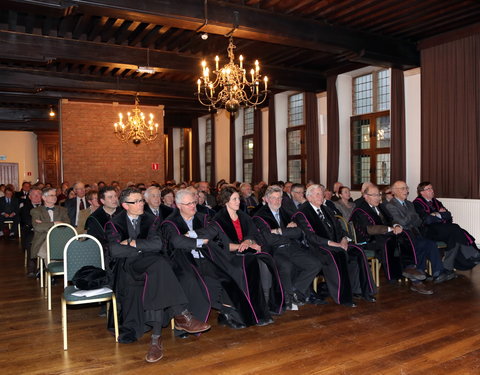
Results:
256 24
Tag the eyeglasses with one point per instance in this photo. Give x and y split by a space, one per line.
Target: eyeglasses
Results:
141 201
374 195
427 189
50 195
297 192
189 204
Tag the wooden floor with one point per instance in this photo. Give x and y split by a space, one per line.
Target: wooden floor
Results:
403 333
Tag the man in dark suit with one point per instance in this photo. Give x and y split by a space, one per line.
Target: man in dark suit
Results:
34 200
372 226
461 251
403 213
152 202
297 266
9 211
22 195
344 265
75 205
148 291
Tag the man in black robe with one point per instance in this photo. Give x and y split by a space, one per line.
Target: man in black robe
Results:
372 227
345 266
148 290
296 266
437 225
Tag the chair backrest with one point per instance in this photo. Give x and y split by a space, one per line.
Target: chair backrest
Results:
344 223
81 250
352 232
57 237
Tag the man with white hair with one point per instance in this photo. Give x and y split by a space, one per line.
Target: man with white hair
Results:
152 202
344 265
75 205
297 266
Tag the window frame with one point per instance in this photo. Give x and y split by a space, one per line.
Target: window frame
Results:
303 152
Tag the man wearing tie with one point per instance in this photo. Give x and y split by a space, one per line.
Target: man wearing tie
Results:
403 213
153 201
9 210
147 289
75 205
22 195
297 266
345 266
373 227
44 217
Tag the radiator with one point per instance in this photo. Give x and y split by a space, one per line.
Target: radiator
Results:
466 213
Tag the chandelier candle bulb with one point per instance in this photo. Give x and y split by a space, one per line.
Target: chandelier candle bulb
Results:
216 62
241 61
266 82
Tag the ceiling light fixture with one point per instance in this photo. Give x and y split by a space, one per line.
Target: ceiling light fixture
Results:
135 128
229 87
147 68
51 113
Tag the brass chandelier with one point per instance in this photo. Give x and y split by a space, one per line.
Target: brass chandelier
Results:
135 128
231 86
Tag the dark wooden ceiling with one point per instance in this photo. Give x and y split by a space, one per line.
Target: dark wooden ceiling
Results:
90 49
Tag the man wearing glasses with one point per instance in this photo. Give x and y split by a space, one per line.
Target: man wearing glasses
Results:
372 226
461 251
148 290
403 213
43 218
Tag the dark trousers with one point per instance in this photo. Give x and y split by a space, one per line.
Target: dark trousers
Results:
427 249
297 268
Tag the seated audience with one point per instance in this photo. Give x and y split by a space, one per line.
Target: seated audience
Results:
136 245
43 218
92 199
152 202
344 204
22 195
297 266
168 201
76 204
34 200
437 225
245 253
403 213
344 265
247 199
372 226
9 211
298 194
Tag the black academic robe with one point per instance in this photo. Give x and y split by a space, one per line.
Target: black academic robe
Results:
296 265
395 251
193 275
95 226
345 272
145 283
443 229
245 267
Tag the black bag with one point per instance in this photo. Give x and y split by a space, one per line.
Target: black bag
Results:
90 277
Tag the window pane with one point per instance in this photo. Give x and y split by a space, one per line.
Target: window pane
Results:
247 172
208 131
294 142
361 169
362 94
383 85
383 169
208 175
383 131
248 121
361 134
295 171
248 149
208 154
295 110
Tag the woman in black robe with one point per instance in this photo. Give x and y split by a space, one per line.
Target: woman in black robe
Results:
246 255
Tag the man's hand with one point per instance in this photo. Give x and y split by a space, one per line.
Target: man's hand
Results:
397 229
291 225
442 210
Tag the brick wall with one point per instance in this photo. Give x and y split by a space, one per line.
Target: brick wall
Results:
91 152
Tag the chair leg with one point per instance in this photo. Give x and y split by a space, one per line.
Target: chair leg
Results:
49 290
315 284
377 273
40 266
64 324
26 259
115 316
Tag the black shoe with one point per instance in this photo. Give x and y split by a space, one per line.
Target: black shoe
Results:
315 299
357 296
369 298
180 334
297 299
264 322
287 303
446 275
349 304
226 320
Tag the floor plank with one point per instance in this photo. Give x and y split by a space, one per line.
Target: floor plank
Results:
403 333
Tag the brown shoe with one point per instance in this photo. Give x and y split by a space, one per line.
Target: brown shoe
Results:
186 322
155 352
420 288
413 274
